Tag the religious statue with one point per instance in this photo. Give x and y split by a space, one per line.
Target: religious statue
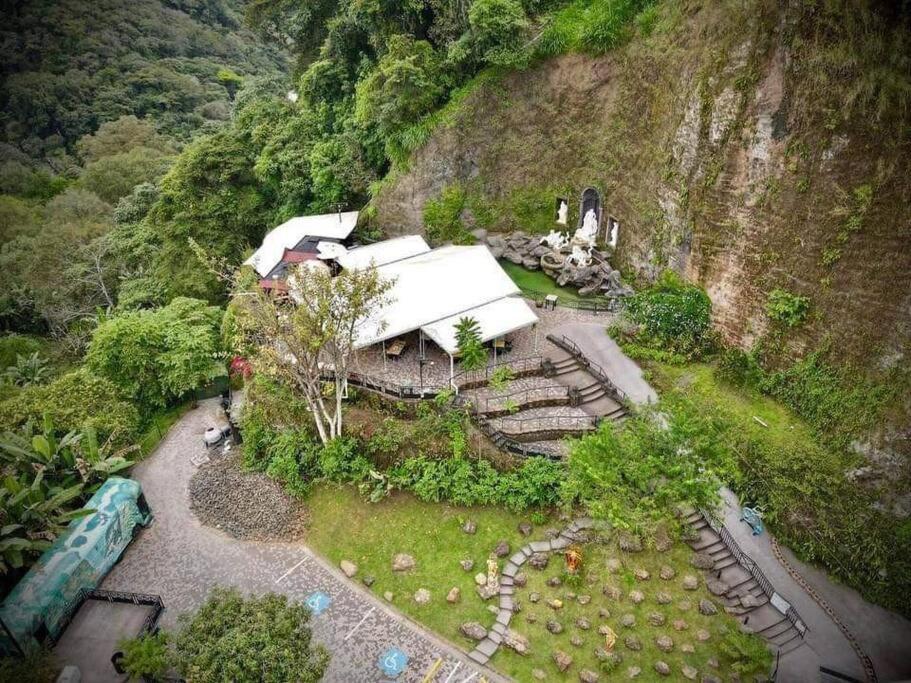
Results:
555 239
580 256
562 212
493 574
588 232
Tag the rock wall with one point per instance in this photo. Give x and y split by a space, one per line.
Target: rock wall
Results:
726 142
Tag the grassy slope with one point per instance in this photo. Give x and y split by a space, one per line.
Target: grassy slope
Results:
343 526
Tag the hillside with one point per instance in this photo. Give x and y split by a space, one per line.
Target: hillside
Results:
738 143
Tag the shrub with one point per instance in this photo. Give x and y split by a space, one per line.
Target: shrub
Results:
739 368
442 217
146 657
339 462
263 638
75 401
672 316
787 308
14 345
472 353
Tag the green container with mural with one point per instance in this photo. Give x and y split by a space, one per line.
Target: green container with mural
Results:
37 608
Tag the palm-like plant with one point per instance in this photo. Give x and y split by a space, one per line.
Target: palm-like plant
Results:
28 370
44 480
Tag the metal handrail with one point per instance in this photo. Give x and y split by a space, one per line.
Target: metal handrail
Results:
549 423
524 365
593 368
754 570
534 395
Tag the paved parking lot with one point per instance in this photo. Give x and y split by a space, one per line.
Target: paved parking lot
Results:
181 560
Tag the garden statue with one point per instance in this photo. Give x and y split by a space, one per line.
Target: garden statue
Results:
573 559
555 239
588 232
562 212
493 574
580 256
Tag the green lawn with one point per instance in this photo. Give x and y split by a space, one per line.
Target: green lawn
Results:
344 527
538 283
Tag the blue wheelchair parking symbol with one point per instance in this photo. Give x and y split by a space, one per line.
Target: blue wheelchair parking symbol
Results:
318 602
393 662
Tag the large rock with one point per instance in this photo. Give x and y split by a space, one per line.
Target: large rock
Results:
539 560
702 561
525 528
664 643
632 643
636 597
516 641
486 592
690 582
422 596
502 549
562 660
454 595
520 579
717 587
467 565
348 568
629 543
473 630
554 626
588 676
667 573
402 562
662 668
689 672
656 619
470 526
707 607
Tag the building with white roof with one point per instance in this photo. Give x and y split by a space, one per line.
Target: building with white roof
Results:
302 235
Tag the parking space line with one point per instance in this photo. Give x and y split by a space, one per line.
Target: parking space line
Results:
358 625
465 680
287 573
452 673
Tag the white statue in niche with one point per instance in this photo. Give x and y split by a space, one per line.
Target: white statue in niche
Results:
555 239
562 212
587 234
613 232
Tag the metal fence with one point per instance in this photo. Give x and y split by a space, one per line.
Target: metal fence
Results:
750 565
138 599
527 365
549 423
554 394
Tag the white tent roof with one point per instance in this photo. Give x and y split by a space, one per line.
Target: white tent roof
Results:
435 285
495 319
381 253
289 233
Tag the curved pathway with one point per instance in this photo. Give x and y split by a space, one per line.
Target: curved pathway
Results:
180 559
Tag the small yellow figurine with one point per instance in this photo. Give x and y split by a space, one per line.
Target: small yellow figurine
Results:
573 557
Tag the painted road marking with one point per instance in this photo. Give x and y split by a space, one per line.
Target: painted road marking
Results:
465 680
432 671
393 662
288 573
318 602
452 673
358 625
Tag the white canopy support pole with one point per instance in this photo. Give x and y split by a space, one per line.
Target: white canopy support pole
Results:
494 351
384 355
451 372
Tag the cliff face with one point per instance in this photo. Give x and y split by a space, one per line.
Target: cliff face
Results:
751 146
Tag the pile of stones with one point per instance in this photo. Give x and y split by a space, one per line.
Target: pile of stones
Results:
598 277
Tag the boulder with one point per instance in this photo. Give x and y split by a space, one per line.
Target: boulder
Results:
629 543
690 582
604 613
531 263
583 623
656 619
702 635
554 581
612 592
663 541
553 626
516 641
663 598
480 234
749 601
588 676
402 562
707 608
636 597
717 586
470 526
348 568
684 605
702 561
576 641
487 591
502 549
480 578
687 648
473 630
368 580
628 620
555 604
454 595
467 565
584 599
525 528
388 596
520 579
562 660
680 625
642 574
632 643
496 251
662 669
513 256
664 643
689 672
667 573
422 596
633 672
613 565
539 560
538 675
534 597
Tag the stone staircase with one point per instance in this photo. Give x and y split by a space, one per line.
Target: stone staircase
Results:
746 593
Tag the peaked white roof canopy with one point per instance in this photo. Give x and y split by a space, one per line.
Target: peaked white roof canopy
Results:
288 234
494 319
441 286
381 253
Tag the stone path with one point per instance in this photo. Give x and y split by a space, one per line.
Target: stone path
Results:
181 560
486 648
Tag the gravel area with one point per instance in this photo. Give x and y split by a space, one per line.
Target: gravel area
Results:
246 505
